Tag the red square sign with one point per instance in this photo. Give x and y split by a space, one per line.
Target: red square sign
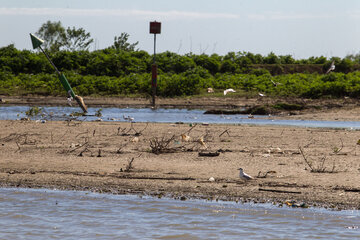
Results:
155 27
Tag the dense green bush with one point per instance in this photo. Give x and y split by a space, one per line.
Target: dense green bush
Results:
117 72
191 82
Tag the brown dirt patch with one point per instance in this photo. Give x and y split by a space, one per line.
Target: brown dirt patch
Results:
94 156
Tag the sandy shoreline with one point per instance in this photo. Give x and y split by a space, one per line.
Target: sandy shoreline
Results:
94 156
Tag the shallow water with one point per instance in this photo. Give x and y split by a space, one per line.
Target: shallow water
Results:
167 116
51 214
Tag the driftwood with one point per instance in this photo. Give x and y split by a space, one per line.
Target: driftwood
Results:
209 154
278 191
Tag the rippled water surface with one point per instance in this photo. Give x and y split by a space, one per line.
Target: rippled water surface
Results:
51 214
167 115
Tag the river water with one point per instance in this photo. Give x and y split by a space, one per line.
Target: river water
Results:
53 214
167 116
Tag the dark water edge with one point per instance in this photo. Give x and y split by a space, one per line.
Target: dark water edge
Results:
277 202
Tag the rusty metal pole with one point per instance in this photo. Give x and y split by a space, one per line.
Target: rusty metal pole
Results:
155 28
154 74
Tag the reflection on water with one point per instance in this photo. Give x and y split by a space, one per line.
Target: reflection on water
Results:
167 116
49 214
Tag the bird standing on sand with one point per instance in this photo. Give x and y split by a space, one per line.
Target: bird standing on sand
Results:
244 176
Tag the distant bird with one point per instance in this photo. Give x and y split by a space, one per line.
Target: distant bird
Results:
228 90
244 176
332 67
210 90
185 138
128 118
275 83
262 95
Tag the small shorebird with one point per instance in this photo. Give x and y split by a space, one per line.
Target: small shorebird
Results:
244 176
128 118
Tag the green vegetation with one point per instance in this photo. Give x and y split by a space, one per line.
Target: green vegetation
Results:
121 69
33 111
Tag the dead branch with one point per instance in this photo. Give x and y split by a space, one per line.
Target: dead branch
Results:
226 131
278 191
129 167
337 150
159 146
127 133
85 150
188 131
80 146
119 151
305 159
320 168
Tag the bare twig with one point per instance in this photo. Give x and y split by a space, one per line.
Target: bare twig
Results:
337 150
188 131
129 167
320 168
226 131
159 146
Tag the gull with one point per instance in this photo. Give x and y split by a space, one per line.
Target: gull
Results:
244 176
228 90
128 118
332 67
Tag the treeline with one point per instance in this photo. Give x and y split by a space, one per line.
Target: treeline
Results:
114 62
191 82
114 71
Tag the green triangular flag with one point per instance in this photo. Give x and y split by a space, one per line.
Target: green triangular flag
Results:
36 42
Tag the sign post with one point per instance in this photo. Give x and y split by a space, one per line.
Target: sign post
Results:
155 28
36 42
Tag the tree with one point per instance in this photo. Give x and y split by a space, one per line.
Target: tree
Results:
56 37
77 39
121 43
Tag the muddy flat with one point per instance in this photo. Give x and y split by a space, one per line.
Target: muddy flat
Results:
316 166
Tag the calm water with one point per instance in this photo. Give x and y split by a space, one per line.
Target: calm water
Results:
168 115
51 214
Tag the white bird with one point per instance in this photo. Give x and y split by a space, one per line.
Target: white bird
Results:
262 95
128 118
228 90
244 176
210 90
332 67
69 98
